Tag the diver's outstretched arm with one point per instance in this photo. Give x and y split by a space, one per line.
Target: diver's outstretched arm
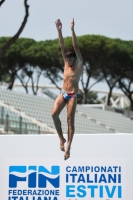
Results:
61 40
75 43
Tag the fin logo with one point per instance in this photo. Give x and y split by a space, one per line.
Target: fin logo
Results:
35 176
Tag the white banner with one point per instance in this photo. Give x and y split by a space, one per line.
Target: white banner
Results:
33 168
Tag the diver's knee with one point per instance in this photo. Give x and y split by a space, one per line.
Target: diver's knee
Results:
54 115
70 121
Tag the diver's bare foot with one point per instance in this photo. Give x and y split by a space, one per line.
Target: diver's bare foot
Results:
62 142
67 153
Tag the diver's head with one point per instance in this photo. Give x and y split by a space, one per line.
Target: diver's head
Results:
70 56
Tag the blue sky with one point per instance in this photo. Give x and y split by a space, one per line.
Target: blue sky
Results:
112 18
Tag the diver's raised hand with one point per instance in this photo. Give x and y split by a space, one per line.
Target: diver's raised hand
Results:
72 24
58 24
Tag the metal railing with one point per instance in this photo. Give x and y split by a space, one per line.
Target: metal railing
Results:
13 123
33 120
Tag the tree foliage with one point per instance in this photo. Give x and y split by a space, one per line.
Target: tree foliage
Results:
11 40
105 59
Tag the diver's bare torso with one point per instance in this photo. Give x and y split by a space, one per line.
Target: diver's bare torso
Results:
72 76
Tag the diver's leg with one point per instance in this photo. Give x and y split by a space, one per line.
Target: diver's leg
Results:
71 109
59 104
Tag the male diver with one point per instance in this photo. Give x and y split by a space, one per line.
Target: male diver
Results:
68 95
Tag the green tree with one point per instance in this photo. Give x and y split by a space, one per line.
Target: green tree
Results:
108 62
92 98
6 45
126 70
13 60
